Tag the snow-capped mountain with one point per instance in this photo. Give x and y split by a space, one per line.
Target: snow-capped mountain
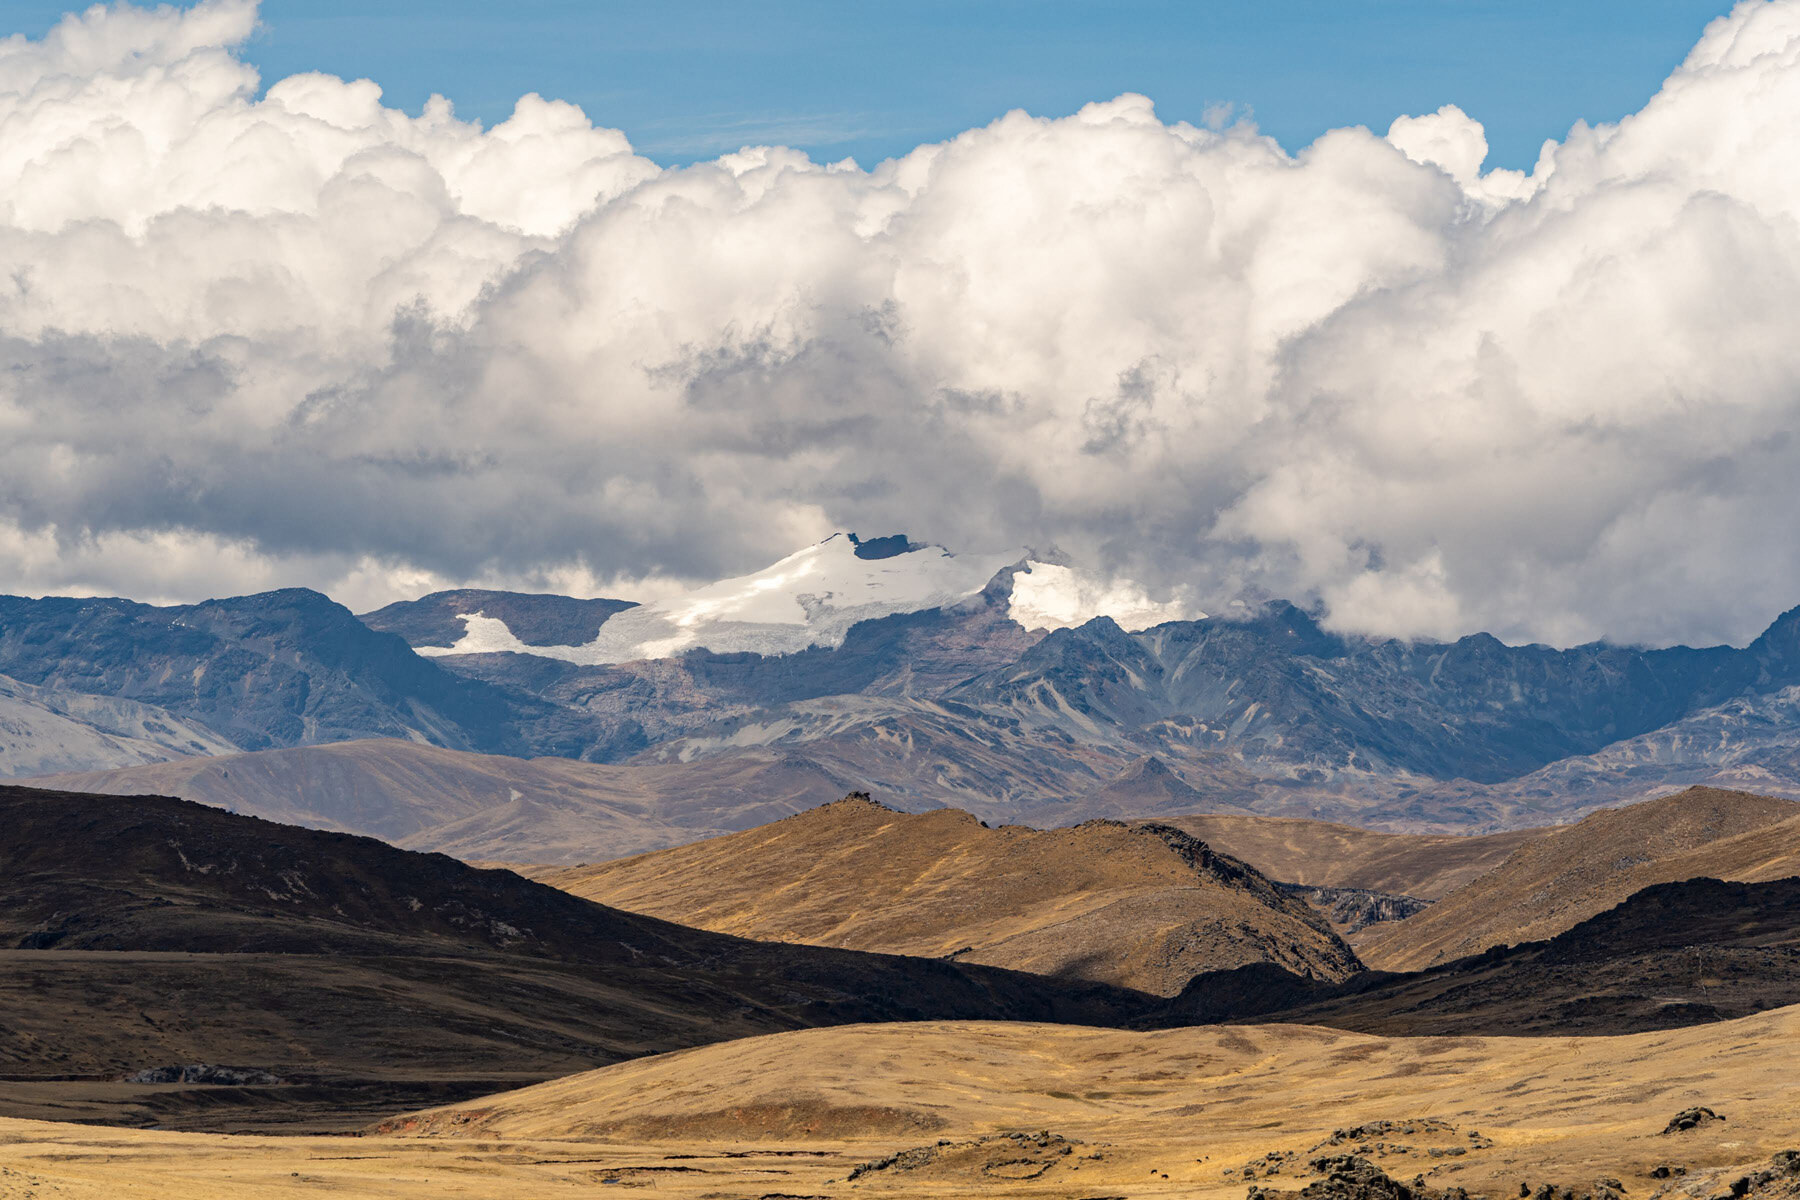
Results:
812 598
926 676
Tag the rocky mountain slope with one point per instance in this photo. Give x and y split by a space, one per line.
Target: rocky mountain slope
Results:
1234 704
282 668
812 598
483 806
1552 882
437 621
1144 907
50 729
1277 687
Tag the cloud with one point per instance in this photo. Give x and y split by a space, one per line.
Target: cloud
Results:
297 336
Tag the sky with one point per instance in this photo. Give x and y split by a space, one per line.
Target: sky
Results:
689 80
1361 338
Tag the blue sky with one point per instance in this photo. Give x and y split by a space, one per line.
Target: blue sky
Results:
689 79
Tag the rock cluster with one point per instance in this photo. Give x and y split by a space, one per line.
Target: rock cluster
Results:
206 1073
1001 1156
1691 1118
1601 1189
1353 1177
1780 1179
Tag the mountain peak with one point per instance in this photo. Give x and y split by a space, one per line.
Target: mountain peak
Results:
810 598
1146 768
891 546
855 802
1296 630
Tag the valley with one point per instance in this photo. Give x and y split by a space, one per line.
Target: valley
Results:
923 601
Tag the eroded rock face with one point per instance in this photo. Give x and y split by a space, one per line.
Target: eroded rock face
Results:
1001 1156
1351 910
1776 1179
1691 1118
1353 1177
1600 1189
1781 1178
207 1073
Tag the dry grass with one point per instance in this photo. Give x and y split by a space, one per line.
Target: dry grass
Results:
1175 1113
1102 901
1555 882
1325 854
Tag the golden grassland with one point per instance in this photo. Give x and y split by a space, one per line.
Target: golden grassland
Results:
1174 1113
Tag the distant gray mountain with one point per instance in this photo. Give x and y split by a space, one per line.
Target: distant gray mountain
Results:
1276 689
1271 713
483 806
47 729
285 668
536 619
958 704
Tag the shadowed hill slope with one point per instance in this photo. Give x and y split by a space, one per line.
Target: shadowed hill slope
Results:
1145 907
1568 874
1674 954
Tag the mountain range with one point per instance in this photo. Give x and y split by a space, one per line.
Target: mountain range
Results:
870 664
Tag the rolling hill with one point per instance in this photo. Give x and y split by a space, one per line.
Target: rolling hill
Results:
1330 855
338 975
1144 907
317 980
1259 1088
1031 1110
1552 882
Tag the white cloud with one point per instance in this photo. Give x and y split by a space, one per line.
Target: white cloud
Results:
1054 596
1455 143
310 338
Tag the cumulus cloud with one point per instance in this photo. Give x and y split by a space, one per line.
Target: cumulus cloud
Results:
297 336
1054 596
